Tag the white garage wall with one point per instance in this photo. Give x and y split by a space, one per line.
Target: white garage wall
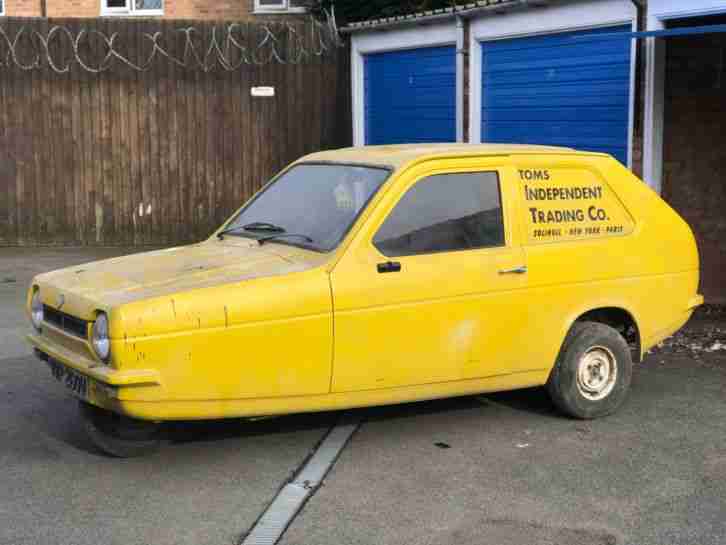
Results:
579 15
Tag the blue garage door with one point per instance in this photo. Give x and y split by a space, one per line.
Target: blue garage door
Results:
558 90
410 96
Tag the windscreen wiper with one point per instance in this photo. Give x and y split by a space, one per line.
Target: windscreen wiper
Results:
263 226
254 226
283 235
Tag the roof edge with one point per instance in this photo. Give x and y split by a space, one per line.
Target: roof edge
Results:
405 157
434 16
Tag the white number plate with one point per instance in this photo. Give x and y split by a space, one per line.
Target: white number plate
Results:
73 381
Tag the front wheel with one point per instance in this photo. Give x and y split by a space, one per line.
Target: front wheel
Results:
593 371
118 435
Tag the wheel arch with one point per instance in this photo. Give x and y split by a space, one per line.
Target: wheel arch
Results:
616 316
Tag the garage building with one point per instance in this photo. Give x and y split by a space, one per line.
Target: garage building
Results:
562 72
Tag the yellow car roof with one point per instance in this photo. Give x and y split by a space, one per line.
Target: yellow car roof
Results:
399 154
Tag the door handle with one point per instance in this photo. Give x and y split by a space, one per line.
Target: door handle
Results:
515 270
389 266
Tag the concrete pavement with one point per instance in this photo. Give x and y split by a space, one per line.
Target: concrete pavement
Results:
515 472
505 469
207 486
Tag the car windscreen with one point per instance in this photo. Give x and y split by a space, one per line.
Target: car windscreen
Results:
310 205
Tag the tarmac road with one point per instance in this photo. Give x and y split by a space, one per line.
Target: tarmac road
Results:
504 469
515 472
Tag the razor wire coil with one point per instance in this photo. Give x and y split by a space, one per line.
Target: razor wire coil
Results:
227 48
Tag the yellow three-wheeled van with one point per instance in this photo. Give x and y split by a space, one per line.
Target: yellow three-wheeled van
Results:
377 275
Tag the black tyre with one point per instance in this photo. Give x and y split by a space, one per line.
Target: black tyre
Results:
117 435
592 375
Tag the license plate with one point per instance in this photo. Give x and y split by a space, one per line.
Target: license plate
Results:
75 382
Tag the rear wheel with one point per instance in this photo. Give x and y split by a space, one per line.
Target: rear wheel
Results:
593 371
119 435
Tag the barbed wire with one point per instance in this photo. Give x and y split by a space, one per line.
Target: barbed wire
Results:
283 43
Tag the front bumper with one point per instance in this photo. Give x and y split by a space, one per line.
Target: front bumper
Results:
107 388
91 368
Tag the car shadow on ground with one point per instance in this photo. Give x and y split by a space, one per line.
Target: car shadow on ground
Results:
183 432
63 424
55 415
533 400
530 400
59 418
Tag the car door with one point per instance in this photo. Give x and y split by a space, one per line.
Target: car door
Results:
431 288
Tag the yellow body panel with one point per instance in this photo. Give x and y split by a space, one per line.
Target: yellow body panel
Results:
446 317
228 328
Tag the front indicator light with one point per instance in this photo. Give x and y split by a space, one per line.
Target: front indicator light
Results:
99 337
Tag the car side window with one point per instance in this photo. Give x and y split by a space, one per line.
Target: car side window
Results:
445 213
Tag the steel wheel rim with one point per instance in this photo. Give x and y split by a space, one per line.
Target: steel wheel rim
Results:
597 372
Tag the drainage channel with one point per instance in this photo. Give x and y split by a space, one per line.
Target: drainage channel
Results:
272 524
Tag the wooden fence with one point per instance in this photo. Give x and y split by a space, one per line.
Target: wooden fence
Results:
166 141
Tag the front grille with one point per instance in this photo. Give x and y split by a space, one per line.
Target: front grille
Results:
66 322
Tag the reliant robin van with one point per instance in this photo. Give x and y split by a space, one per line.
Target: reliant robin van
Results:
377 275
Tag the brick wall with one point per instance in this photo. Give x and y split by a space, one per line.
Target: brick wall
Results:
22 8
694 160
173 9
71 8
206 9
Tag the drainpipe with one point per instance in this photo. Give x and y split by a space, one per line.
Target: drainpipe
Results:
43 9
638 121
460 67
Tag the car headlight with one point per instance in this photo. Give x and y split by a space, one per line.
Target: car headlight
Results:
36 310
99 336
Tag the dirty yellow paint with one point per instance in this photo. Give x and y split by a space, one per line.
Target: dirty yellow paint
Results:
229 328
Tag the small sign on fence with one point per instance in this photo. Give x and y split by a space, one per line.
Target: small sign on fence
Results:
263 91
